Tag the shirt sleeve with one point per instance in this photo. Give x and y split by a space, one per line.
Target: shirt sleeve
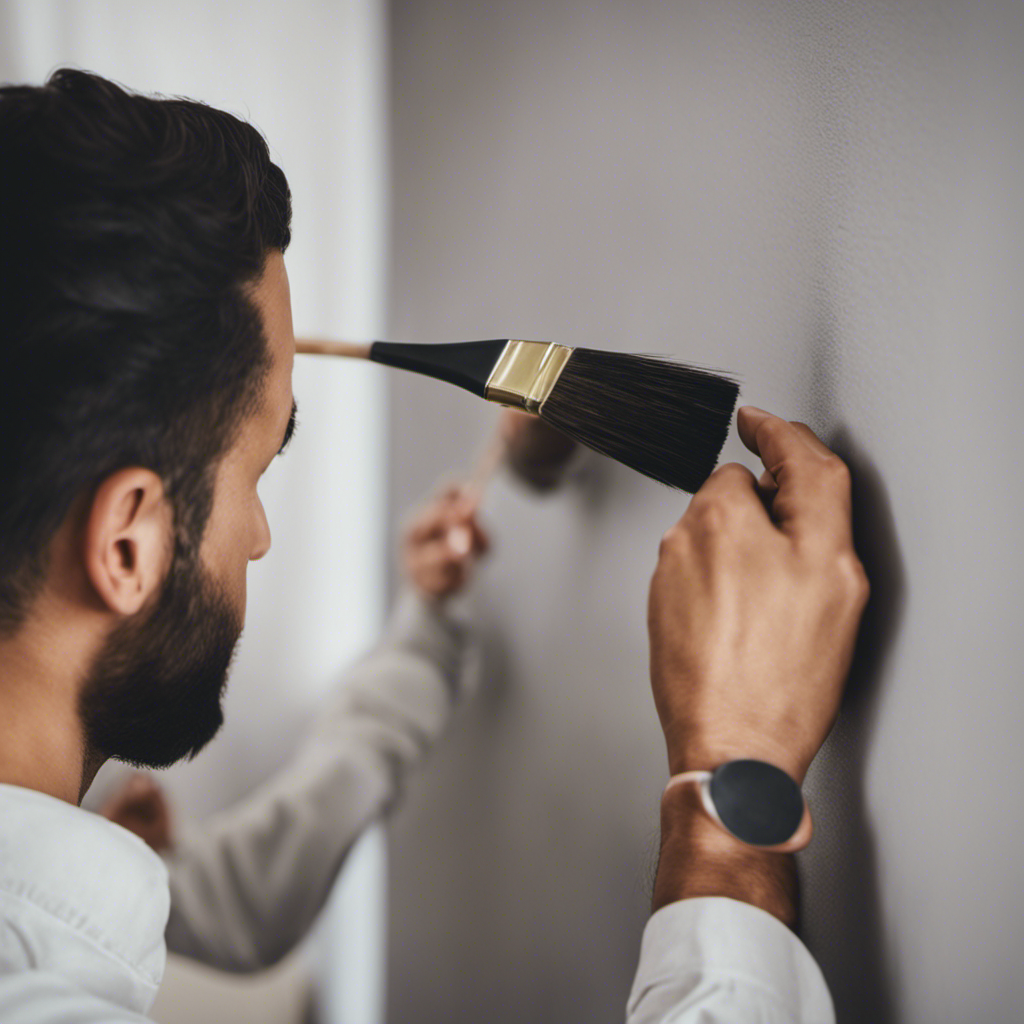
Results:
714 960
247 884
41 997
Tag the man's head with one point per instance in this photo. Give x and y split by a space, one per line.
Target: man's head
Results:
147 343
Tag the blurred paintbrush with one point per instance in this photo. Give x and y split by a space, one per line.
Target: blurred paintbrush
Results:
459 538
666 420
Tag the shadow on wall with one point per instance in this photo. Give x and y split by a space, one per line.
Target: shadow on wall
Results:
845 933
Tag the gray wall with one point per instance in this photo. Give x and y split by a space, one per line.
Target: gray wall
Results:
827 198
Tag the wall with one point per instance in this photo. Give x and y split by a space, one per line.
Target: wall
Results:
826 198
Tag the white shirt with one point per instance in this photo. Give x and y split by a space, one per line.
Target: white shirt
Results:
715 960
83 905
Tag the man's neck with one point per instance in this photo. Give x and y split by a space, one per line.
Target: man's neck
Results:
35 756
41 741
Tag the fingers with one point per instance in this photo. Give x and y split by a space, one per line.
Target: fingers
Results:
812 484
451 519
732 485
438 575
141 807
459 540
437 570
480 540
465 536
767 488
432 520
444 540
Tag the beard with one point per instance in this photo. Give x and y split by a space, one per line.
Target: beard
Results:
152 695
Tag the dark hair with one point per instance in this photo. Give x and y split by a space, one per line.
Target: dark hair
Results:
132 229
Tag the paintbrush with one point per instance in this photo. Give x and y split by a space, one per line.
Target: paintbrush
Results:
490 458
664 419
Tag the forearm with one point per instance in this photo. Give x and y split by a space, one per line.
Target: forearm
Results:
699 859
248 884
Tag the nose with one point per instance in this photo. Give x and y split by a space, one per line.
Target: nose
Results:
261 544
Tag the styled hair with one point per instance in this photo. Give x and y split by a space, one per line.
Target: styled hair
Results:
132 230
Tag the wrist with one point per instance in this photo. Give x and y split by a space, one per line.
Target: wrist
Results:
688 751
698 858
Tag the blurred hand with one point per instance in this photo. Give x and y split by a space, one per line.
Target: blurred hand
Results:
141 807
755 604
443 542
536 452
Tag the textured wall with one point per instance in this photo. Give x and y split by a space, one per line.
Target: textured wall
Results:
827 198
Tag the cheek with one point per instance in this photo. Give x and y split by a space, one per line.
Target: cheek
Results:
233 533
260 524
235 557
251 538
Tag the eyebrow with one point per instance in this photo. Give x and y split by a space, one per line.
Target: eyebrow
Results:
289 431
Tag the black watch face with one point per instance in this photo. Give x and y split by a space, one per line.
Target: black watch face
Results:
757 802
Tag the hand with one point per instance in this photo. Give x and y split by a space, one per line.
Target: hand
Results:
443 542
141 807
755 604
536 452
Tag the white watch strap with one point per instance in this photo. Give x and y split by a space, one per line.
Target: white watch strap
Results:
702 780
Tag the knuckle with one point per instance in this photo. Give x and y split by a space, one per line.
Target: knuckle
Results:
853 575
714 516
717 515
731 475
668 540
674 542
840 471
672 537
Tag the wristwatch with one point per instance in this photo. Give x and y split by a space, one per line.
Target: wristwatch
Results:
752 800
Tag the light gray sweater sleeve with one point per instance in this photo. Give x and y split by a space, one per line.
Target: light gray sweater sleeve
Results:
247 885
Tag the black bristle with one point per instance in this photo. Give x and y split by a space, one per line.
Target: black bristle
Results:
664 419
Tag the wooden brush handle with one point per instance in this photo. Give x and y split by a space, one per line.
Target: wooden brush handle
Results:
490 458
319 347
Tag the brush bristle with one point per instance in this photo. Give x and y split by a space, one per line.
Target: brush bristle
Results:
664 419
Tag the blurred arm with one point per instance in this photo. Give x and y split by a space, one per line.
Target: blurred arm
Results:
248 885
537 454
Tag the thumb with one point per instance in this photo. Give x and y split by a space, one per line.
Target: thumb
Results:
748 419
460 539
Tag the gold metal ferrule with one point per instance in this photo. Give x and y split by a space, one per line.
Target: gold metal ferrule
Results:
525 374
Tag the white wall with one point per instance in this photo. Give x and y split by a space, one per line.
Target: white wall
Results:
827 198
312 78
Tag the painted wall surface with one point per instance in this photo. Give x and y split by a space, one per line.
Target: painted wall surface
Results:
827 198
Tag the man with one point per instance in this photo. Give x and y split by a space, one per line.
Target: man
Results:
149 348
248 884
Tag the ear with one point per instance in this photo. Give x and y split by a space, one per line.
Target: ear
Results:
128 539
